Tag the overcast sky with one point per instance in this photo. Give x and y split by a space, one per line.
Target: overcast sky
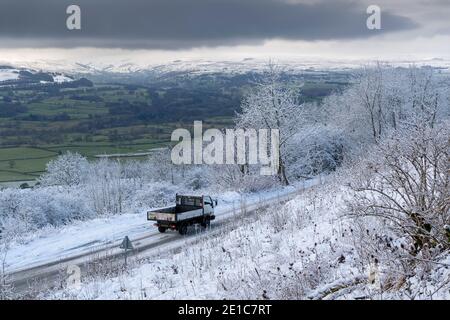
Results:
168 29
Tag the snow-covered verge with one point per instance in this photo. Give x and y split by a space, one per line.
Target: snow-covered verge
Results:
304 249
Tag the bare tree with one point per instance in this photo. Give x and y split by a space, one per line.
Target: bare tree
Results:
106 189
162 168
273 105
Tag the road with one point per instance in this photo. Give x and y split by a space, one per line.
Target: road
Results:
53 274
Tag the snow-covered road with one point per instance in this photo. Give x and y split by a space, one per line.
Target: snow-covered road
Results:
83 241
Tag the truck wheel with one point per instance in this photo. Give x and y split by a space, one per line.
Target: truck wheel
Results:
162 229
206 223
183 229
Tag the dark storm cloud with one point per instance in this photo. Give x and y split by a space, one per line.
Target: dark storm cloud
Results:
176 24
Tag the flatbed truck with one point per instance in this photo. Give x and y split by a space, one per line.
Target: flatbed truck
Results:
187 211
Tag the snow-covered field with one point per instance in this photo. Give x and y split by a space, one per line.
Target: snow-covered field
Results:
61 78
9 74
301 250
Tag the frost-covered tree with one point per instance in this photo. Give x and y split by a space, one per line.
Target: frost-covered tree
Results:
230 177
316 149
381 99
273 105
161 166
13 218
68 169
106 187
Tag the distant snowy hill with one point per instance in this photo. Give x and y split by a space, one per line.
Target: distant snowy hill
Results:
9 74
12 76
143 70
103 65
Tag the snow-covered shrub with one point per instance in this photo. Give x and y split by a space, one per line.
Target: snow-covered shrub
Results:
22 211
67 170
194 177
402 193
152 195
136 172
161 167
15 219
406 184
315 150
279 219
6 288
235 178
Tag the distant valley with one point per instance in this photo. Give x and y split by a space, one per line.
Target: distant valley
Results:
43 114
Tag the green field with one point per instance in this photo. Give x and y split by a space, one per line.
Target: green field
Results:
18 164
92 121
28 163
23 152
23 164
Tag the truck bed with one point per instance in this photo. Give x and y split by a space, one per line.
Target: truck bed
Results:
189 210
171 214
